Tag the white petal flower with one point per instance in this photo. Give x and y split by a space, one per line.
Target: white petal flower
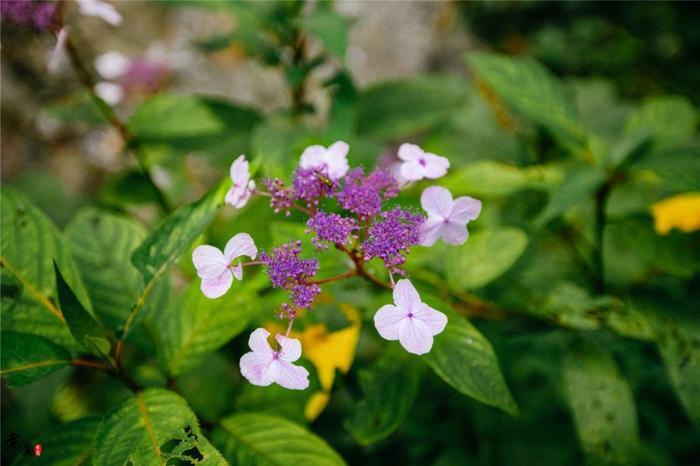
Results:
332 159
264 366
418 164
217 269
447 218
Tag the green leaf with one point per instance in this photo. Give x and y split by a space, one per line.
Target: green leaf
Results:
162 248
26 358
390 388
153 427
670 121
531 90
487 178
208 400
464 358
580 184
189 123
67 445
257 439
78 107
330 28
678 344
488 254
192 326
28 245
398 109
602 405
277 143
86 330
676 169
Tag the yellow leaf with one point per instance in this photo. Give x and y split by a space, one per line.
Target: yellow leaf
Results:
681 211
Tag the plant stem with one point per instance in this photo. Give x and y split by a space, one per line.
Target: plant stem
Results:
348 274
85 78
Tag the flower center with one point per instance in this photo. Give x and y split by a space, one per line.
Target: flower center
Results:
276 355
446 220
409 315
422 162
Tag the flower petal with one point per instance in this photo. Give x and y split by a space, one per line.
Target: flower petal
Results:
465 209
433 319
291 348
241 244
415 336
109 92
437 201
292 376
239 172
209 261
258 342
436 166
112 65
387 320
410 152
412 171
237 271
215 287
338 149
454 233
58 54
430 230
312 157
406 297
259 369
100 9
336 160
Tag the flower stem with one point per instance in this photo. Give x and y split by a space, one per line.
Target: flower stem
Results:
348 274
289 327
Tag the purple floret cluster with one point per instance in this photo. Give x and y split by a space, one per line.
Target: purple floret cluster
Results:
364 195
28 13
331 228
391 236
310 185
288 271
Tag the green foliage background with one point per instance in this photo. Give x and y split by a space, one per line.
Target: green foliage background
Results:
574 332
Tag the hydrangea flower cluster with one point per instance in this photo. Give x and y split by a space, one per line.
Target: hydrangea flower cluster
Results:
351 211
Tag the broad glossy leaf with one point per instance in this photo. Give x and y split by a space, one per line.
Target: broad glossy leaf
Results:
209 400
70 444
162 248
678 344
465 359
602 405
153 427
86 330
398 109
580 185
26 358
531 90
29 245
390 388
487 178
192 325
670 121
262 440
486 255
330 28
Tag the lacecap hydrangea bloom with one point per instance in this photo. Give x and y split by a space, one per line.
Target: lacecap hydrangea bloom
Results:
351 210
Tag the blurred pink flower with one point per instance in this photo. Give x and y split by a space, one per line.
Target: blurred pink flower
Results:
418 164
243 186
333 159
100 9
264 366
216 268
410 321
447 219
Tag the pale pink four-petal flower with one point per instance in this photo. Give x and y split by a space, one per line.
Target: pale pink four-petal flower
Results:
333 159
447 218
264 366
243 186
217 269
418 164
410 321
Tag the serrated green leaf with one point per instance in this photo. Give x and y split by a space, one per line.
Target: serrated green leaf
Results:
670 121
162 248
70 444
580 184
86 330
29 244
330 28
465 359
531 90
153 427
488 254
192 325
398 109
390 388
602 405
26 358
262 440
